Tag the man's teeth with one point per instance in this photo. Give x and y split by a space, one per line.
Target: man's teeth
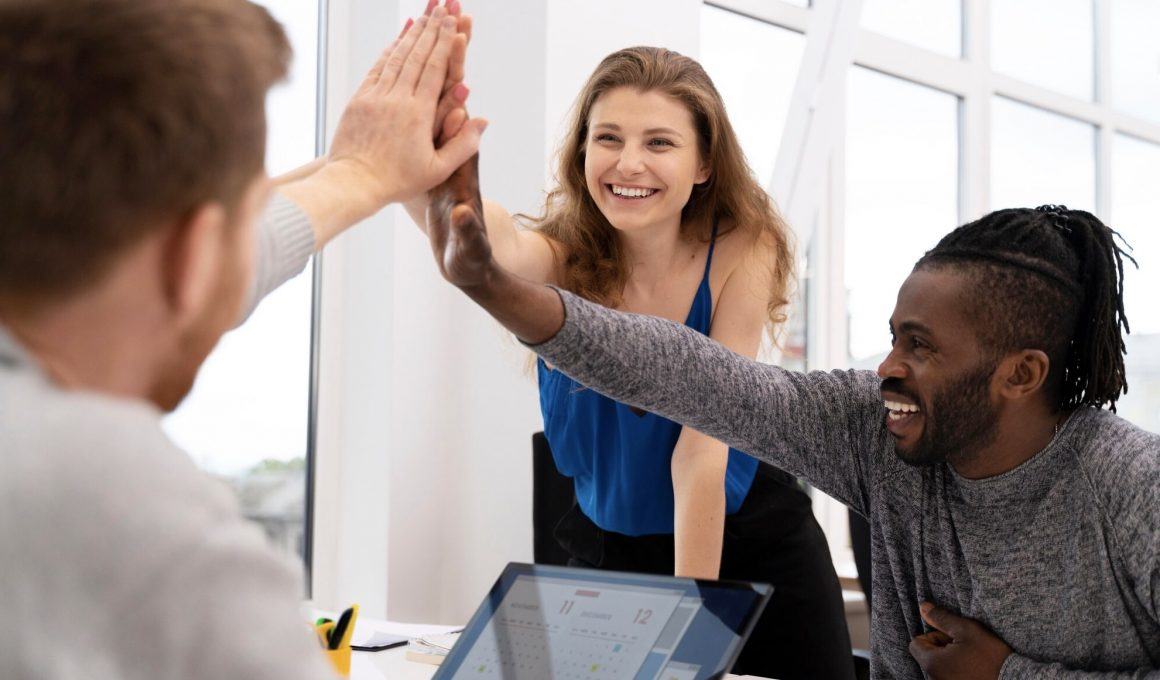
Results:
899 407
631 192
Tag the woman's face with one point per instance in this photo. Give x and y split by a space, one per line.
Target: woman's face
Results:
641 158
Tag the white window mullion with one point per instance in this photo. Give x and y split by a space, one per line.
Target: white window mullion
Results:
1106 132
828 336
780 13
975 120
897 58
1136 127
1105 137
1050 100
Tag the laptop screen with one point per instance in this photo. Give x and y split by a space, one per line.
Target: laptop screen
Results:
561 622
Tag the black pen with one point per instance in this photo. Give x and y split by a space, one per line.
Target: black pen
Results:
339 632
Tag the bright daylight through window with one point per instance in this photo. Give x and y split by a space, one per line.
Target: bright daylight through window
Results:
245 420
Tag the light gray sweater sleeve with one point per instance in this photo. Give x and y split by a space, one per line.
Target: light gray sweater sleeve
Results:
285 243
828 428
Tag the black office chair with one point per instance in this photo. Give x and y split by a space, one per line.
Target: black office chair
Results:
552 496
860 541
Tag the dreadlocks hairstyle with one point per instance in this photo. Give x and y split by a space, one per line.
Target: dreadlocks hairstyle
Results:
1048 279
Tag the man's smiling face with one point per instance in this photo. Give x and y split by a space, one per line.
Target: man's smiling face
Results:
936 381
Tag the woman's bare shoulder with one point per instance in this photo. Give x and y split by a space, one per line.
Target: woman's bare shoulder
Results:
543 257
737 246
559 255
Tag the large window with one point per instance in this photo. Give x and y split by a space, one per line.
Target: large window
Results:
936 25
737 52
1134 58
902 163
246 419
1039 157
1135 206
1047 43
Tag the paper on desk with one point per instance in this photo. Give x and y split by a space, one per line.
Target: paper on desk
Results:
438 644
366 629
380 639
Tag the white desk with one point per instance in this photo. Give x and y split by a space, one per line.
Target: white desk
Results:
393 665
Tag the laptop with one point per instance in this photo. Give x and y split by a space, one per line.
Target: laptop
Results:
541 622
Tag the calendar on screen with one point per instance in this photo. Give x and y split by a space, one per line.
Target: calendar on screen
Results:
549 628
575 624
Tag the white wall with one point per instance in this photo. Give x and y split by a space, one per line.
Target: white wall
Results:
426 411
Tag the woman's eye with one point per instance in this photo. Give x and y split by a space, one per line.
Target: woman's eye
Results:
605 137
660 142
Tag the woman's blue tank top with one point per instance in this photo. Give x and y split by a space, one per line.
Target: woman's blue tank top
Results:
620 461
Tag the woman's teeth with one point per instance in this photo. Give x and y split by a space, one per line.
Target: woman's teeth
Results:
630 192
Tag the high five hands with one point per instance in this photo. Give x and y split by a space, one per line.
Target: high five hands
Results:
402 102
384 149
455 219
958 648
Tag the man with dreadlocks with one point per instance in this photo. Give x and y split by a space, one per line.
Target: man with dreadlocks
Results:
1015 523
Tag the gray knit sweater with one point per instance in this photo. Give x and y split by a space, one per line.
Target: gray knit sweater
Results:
1059 557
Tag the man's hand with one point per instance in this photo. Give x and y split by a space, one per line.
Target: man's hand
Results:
384 149
456 228
385 140
958 647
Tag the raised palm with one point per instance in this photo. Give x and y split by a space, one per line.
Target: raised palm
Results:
456 228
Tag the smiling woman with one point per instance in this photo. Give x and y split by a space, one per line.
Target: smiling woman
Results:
641 175
656 212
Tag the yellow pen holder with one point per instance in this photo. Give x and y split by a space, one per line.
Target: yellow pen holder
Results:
340 660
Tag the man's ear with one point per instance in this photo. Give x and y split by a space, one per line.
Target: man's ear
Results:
1022 373
193 259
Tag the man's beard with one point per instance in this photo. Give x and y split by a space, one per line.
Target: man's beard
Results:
175 381
959 421
176 377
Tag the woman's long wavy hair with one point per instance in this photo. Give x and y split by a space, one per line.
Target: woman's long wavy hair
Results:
594 264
